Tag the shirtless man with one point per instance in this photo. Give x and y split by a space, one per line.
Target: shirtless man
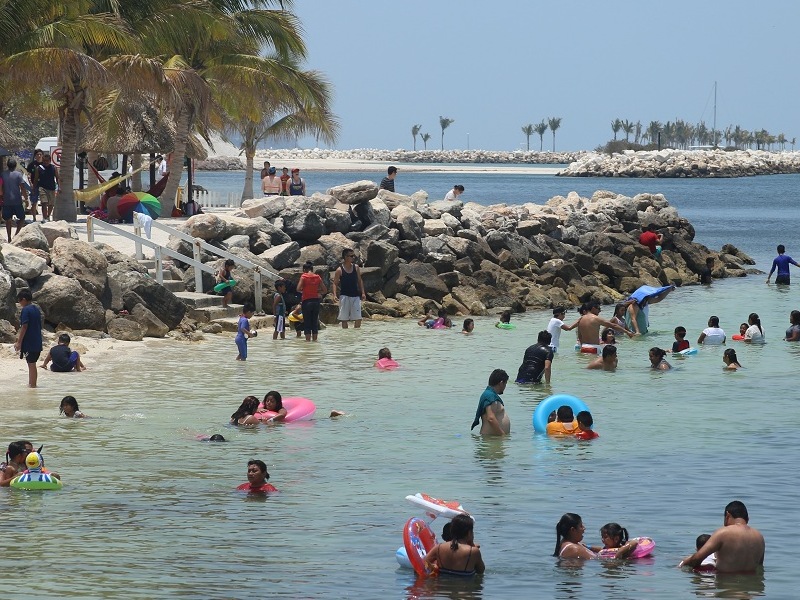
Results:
491 412
590 324
607 361
739 547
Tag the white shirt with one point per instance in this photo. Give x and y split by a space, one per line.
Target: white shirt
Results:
554 329
714 336
754 335
162 168
451 195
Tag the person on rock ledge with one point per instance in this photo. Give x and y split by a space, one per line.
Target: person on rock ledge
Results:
652 240
387 183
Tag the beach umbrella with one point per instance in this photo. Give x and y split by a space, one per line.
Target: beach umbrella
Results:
141 202
126 204
152 203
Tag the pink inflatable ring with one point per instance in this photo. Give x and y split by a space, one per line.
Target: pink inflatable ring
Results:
297 409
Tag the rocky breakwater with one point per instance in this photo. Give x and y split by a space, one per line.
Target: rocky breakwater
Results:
469 258
684 163
81 286
225 163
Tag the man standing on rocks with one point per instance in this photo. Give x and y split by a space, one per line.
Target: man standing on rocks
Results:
347 280
590 323
387 183
13 192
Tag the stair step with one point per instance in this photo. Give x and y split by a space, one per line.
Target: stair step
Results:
195 300
174 285
166 275
264 322
212 313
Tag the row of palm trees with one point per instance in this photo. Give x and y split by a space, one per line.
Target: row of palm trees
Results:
444 123
681 134
553 123
203 65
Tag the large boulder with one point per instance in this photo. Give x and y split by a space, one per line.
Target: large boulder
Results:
31 236
380 212
282 256
81 261
354 193
416 279
8 297
206 227
614 267
63 300
58 229
337 221
237 225
163 303
238 241
303 224
127 330
409 222
276 234
393 199
381 255
264 207
153 326
21 263
115 257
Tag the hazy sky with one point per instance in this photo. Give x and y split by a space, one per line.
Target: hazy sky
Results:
496 66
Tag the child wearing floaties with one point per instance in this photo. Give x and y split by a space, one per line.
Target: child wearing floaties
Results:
296 318
680 343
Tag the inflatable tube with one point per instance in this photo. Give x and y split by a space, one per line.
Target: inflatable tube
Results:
418 540
737 338
644 548
438 324
552 403
387 363
297 409
688 351
505 325
402 558
35 480
224 284
434 507
648 292
589 348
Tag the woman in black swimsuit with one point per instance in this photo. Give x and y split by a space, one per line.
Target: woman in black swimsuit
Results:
461 555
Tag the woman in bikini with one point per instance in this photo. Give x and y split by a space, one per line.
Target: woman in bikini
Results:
569 533
461 555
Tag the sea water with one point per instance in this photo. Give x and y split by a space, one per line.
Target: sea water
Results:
149 511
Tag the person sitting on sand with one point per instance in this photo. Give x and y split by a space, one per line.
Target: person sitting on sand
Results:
607 361
64 359
562 422
273 403
739 548
469 325
491 412
69 408
460 555
585 424
245 414
730 360
657 360
257 479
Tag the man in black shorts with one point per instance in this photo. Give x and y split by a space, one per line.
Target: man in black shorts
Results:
29 338
13 193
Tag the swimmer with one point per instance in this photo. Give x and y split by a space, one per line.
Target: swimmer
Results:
709 562
607 361
562 422
69 408
618 320
245 414
15 461
257 479
712 334
469 325
505 318
680 342
212 438
754 333
743 329
491 412
585 423
657 360
730 360
569 536
615 539
793 333
461 555
608 337
272 403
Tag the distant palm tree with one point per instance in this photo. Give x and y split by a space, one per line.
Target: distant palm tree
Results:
792 143
528 130
637 138
782 141
540 129
653 129
616 125
415 129
554 123
425 137
444 122
628 128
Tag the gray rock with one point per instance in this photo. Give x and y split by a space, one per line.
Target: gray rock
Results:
238 241
206 227
409 222
162 302
392 200
63 300
354 193
282 256
614 267
153 326
433 227
237 225
8 297
302 224
259 242
337 221
416 279
451 207
209 281
450 221
31 236
499 240
21 263
115 257
265 207
8 333
81 261
56 229
380 212
126 330
381 255
275 233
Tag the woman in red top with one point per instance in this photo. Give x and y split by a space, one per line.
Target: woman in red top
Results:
311 286
257 479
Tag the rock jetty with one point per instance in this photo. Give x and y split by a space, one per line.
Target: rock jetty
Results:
684 163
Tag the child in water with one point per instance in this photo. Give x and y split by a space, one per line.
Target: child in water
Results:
680 340
730 360
709 562
243 332
585 423
296 317
564 422
469 325
615 542
505 319
657 360
385 360
69 408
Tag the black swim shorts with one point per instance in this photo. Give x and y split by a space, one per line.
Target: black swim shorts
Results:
14 211
31 357
782 279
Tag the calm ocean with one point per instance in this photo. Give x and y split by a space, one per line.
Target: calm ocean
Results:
147 511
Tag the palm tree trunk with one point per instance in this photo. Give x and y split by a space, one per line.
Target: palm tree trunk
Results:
65 200
90 158
442 140
554 141
136 180
250 155
176 162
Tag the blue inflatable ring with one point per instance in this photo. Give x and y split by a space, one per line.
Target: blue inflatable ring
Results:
552 403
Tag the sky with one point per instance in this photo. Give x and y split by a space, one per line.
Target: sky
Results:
494 67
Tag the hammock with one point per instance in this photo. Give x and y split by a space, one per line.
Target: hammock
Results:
94 191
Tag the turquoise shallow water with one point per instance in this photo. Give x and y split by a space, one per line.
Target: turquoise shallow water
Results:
148 511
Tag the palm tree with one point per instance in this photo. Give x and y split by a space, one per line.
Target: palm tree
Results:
540 129
616 125
415 129
554 123
782 141
653 129
528 131
425 137
792 143
638 135
444 123
628 128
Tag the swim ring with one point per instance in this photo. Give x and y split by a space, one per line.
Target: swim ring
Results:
434 507
688 351
552 403
644 548
34 477
402 558
418 540
297 409
589 348
224 284
438 324
505 325
387 363
737 338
